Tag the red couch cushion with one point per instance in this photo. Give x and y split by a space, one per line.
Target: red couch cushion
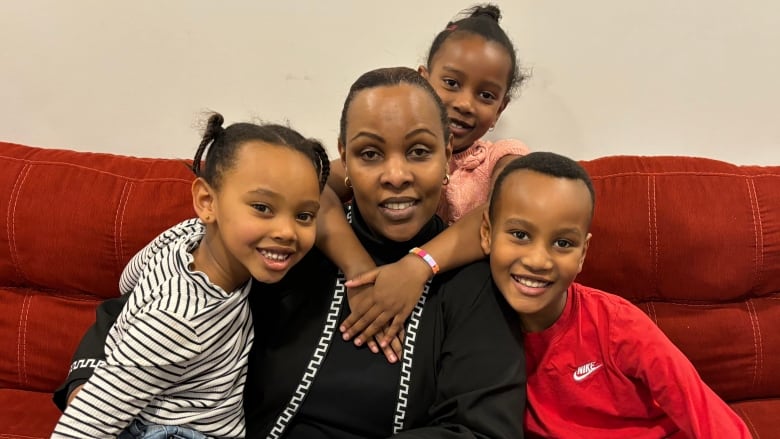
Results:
696 243
27 414
70 223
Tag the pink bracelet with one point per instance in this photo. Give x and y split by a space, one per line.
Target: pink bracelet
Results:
427 258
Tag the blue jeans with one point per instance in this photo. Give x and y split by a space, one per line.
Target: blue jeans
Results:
138 430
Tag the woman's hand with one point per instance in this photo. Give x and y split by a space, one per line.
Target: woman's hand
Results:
396 290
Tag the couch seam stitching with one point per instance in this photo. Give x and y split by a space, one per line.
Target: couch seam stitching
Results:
11 221
755 343
760 364
118 227
759 230
26 324
652 213
654 313
101 171
21 341
124 211
746 417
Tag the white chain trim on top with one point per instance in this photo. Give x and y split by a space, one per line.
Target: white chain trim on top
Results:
331 320
314 364
406 362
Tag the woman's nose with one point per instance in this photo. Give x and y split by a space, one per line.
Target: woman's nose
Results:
396 172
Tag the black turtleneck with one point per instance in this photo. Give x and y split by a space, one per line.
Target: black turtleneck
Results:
385 251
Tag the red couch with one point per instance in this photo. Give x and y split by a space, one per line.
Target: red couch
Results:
694 242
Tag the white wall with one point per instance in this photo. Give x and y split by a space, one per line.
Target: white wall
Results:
609 76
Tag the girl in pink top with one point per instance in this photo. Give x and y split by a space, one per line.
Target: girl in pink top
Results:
471 175
473 68
472 65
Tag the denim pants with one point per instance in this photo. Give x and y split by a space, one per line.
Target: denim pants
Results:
138 430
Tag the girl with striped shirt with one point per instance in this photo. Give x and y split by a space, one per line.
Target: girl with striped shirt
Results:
176 358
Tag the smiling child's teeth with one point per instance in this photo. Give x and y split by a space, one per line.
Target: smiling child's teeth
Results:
531 283
274 256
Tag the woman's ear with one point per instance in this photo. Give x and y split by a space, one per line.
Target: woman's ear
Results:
204 200
343 154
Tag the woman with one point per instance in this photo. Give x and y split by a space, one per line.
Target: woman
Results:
462 372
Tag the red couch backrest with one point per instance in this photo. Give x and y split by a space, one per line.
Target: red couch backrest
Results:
696 244
70 221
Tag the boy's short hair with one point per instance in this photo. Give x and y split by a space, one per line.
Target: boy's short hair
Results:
548 163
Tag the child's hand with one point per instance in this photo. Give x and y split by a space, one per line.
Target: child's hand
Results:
397 288
394 351
360 293
360 298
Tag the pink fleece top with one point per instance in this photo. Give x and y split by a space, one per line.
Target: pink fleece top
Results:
470 174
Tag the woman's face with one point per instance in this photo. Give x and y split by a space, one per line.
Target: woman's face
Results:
395 157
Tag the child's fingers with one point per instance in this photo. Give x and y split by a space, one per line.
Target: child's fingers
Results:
395 329
397 347
350 326
366 278
374 325
360 302
391 355
363 326
373 346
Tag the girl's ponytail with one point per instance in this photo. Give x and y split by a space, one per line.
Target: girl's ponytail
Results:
489 11
212 132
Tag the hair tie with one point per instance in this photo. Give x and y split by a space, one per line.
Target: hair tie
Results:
452 27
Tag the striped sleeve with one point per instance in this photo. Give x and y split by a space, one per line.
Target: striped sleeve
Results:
148 358
131 275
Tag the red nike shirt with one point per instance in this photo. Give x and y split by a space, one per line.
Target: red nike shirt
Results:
605 370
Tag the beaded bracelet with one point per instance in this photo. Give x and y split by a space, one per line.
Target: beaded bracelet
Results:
426 257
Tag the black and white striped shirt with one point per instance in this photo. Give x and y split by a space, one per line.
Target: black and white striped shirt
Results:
177 354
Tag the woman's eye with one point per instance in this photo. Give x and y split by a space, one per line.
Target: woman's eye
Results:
369 155
419 152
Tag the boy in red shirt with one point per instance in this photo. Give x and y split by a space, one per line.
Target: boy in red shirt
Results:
597 365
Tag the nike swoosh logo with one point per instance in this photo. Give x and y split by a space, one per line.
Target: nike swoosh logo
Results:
581 375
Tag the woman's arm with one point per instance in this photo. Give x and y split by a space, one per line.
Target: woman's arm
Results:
90 352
